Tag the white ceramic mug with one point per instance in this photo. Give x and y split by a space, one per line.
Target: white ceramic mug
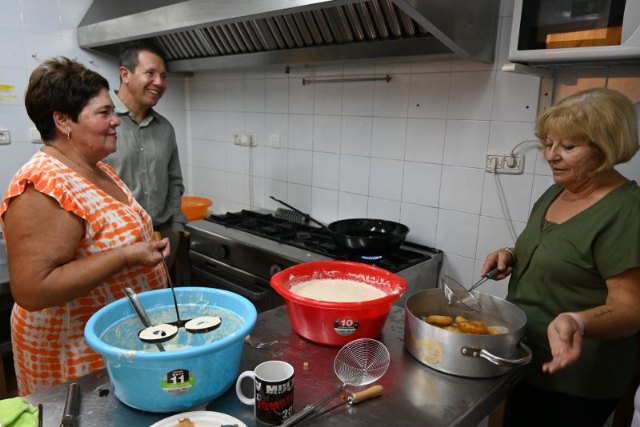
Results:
273 398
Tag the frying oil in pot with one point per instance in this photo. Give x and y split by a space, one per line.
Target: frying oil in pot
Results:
124 334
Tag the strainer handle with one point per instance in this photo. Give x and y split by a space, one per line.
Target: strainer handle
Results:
309 409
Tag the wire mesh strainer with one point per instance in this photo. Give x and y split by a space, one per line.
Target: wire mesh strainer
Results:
359 362
462 297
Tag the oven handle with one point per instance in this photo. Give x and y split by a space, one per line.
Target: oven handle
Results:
252 295
206 260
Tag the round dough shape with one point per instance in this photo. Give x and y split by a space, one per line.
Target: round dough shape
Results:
158 333
203 324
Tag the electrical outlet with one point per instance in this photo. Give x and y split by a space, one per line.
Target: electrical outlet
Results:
274 140
5 136
235 137
244 139
505 163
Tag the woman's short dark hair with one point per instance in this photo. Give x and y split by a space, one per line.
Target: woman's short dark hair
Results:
63 85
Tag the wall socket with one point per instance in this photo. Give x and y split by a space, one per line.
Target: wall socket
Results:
5 136
245 139
505 163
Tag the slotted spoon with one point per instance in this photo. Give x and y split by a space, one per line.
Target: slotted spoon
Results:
462 297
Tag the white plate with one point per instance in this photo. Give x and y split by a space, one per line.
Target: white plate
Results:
200 419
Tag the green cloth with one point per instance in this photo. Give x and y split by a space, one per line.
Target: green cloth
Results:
563 267
17 412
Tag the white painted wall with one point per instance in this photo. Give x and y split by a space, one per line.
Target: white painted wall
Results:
411 150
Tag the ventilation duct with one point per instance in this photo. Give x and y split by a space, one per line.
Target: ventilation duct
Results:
213 34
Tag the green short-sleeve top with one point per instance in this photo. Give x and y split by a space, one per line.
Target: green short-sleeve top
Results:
564 267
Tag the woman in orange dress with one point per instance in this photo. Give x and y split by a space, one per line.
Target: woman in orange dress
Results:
75 235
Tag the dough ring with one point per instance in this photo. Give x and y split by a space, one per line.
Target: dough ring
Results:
158 333
202 324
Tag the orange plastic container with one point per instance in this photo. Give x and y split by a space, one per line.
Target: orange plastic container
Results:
337 323
195 207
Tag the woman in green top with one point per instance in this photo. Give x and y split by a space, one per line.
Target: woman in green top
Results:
575 269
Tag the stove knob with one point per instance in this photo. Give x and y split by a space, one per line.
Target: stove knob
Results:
220 251
275 268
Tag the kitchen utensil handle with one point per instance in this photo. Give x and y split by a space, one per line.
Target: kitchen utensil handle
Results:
156 238
306 215
137 307
71 406
142 314
366 394
497 360
307 410
354 398
489 275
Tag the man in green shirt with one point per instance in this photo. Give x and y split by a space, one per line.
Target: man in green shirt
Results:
147 154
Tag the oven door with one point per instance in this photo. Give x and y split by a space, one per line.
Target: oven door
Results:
211 273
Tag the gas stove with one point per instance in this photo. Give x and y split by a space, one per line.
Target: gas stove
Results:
240 251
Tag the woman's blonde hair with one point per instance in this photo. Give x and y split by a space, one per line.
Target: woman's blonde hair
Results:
604 117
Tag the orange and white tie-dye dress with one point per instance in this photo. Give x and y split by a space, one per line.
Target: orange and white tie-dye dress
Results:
48 345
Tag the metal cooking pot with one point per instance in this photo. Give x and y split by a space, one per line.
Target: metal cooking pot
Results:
467 355
364 236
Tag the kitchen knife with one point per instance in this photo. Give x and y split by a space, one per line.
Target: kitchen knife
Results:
71 407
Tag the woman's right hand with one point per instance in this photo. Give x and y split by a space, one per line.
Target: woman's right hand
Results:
146 253
502 259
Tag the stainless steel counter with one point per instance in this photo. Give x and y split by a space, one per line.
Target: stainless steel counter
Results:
414 395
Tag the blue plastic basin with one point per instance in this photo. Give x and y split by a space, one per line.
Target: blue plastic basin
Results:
180 378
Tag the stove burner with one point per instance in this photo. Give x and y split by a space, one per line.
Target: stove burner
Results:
303 235
317 240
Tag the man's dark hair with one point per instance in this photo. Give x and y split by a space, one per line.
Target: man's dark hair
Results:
129 54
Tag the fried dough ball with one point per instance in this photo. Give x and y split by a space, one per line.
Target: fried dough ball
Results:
439 320
477 327
497 330
460 319
185 422
464 325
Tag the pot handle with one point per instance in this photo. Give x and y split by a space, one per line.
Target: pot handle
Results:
497 360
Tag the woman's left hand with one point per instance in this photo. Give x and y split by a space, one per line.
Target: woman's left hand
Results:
565 341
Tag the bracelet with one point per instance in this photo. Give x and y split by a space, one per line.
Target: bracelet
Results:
511 252
578 320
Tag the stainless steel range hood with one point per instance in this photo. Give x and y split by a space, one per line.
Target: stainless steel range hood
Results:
212 34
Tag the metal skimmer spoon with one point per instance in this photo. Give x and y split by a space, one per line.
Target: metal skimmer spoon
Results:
457 294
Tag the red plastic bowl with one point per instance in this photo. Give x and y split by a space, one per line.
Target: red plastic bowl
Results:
337 323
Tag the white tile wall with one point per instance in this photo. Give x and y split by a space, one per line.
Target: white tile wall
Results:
411 150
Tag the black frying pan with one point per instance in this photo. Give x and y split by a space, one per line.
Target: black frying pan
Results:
364 236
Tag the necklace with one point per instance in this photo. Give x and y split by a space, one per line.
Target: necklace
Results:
80 165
